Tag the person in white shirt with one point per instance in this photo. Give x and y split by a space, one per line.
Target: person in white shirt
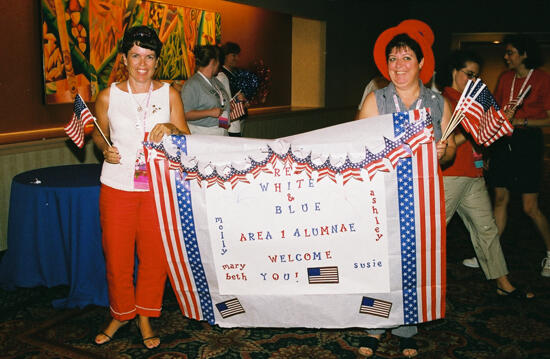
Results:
227 76
128 112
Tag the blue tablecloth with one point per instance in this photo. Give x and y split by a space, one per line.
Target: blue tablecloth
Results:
54 235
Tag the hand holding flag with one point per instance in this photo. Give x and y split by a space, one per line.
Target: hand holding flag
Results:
512 106
480 115
81 117
517 101
237 107
237 110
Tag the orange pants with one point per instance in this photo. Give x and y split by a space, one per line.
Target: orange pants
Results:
129 222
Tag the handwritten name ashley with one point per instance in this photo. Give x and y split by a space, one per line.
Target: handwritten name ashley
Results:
375 213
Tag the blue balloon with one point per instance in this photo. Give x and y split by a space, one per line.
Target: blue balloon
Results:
247 82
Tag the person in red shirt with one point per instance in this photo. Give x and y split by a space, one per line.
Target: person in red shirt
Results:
515 163
465 190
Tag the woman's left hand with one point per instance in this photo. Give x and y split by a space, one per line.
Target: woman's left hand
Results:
243 99
441 147
161 129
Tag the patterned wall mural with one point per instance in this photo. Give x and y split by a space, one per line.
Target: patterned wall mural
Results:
81 38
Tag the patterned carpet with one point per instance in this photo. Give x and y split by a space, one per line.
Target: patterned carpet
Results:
479 324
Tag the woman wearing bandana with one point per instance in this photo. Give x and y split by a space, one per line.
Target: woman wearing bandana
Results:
128 112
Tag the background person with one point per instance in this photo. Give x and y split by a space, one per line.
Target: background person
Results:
403 54
230 59
515 163
465 189
376 83
126 111
206 101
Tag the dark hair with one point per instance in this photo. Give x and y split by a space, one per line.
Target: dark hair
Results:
229 48
205 53
142 36
457 61
401 41
525 45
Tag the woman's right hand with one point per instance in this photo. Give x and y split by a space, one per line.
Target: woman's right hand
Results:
111 155
441 148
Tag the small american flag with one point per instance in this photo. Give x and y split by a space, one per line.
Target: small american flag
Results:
377 307
230 308
321 275
484 119
81 117
237 110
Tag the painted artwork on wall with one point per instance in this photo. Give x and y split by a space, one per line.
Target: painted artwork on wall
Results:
81 39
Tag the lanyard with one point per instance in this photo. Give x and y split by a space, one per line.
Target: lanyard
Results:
231 72
522 86
147 105
396 102
214 87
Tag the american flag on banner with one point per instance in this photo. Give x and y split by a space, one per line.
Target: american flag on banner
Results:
230 308
377 307
81 117
481 115
237 109
320 275
199 246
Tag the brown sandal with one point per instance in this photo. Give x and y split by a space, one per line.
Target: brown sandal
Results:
408 344
369 343
515 294
149 338
143 340
109 337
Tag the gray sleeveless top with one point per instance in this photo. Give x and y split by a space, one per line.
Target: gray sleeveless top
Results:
433 100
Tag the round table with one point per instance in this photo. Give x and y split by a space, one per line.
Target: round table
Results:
54 234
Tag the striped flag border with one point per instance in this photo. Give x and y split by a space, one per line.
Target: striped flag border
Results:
416 297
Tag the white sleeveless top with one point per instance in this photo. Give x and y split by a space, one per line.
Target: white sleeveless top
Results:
126 136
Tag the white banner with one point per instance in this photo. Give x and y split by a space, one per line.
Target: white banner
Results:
339 227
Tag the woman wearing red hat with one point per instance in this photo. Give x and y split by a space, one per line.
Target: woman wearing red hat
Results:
403 54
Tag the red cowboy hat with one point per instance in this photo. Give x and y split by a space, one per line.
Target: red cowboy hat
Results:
417 30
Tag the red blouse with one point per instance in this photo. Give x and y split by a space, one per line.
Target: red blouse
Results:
464 162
